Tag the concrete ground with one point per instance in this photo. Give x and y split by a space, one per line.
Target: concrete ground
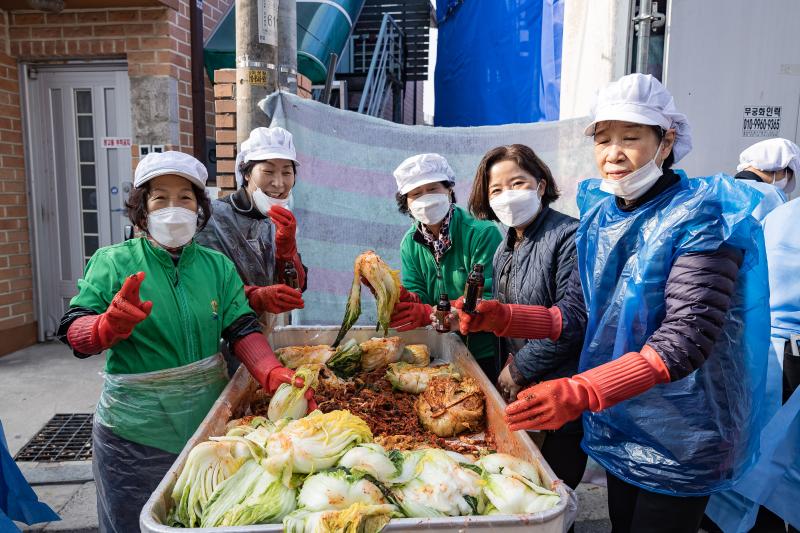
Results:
40 381
35 384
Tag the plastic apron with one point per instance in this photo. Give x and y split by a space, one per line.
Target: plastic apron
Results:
774 481
773 197
692 436
17 499
161 409
248 242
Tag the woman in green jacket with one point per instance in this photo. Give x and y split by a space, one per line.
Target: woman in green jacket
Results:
158 305
440 249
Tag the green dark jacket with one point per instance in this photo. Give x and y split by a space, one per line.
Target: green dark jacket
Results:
150 395
193 303
473 241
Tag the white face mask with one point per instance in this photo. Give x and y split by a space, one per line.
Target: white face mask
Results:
783 183
430 208
172 227
516 207
636 183
263 201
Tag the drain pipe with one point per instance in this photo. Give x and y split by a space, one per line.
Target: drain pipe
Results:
198 80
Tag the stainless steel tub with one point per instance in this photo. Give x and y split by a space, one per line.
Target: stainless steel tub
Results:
443 347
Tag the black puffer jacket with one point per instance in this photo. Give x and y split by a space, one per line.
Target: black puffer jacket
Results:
536 271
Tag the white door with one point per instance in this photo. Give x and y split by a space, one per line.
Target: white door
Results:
79 160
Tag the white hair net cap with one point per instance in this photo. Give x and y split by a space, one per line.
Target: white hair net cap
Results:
264 144
770 155
157 164
422 169
641 99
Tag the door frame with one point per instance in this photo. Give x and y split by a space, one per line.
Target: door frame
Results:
36 197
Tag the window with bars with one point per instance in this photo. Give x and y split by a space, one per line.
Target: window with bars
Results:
84 119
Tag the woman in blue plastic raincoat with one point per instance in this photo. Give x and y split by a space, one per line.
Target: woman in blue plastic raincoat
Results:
766 495
771 167
672 276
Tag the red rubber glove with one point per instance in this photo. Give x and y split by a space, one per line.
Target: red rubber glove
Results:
257 356
551 404
511 320
407 316
491 316
280 375
93 334
407 296
273 299
285 231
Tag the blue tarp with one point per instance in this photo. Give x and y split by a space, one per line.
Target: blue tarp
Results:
498 62
17 499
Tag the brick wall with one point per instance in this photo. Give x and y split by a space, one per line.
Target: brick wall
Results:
153 41
213 13
17 322
225 127
225 122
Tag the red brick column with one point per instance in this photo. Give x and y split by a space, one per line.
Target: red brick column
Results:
225 128
17 322
225 124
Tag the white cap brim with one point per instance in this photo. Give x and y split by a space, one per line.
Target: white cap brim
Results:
621 114
424 179
164 171
264 155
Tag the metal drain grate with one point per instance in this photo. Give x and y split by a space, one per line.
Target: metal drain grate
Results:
66 437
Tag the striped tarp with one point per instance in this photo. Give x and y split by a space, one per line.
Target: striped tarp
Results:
344 197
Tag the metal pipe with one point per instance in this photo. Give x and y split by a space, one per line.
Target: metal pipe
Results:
198 80
326 92
644 18
415 104
287 45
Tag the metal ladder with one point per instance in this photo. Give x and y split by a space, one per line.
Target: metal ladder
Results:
386 68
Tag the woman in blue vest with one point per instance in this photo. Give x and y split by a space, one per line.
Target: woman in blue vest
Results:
672 275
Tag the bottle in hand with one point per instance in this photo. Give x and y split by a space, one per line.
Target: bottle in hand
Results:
443 314
473 290
290 276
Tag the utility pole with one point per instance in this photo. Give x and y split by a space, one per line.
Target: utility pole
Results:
287 45
256 60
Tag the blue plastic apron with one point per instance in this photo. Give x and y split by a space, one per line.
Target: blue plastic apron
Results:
17 499
693 436
773 197
774 481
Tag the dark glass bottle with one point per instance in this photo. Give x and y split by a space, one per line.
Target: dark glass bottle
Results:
473 290
290 276
443 314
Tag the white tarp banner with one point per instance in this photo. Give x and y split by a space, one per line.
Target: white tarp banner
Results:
344 198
